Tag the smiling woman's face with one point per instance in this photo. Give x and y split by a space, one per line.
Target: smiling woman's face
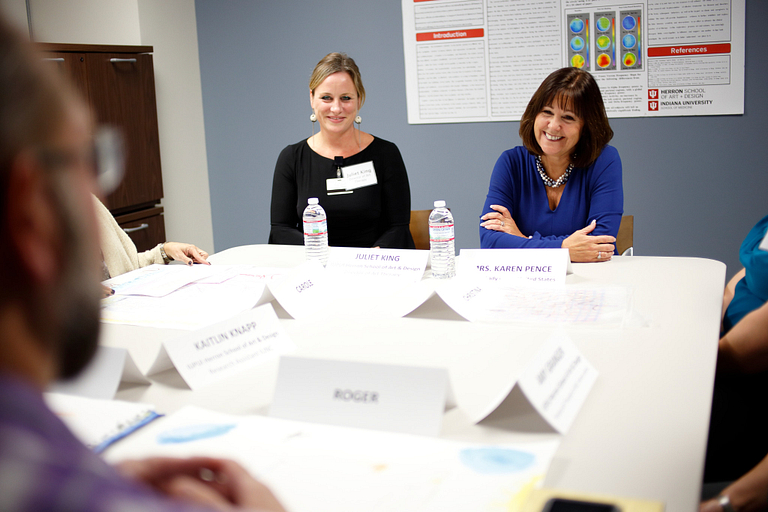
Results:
335 103
557 130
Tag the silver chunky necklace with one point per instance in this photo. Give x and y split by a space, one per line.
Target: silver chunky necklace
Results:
549 181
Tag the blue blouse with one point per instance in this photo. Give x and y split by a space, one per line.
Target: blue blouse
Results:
594 192
752 290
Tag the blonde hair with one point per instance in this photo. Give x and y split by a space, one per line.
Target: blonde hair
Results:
334 63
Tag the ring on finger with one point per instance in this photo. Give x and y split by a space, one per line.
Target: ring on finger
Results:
599 255
502 223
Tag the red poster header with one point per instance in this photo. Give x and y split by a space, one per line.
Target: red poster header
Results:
677 51
450 34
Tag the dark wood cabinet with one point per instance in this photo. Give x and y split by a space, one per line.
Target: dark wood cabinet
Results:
119 84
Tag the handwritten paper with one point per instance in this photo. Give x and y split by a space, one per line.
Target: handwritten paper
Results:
158 280
235 345
195 305
522 303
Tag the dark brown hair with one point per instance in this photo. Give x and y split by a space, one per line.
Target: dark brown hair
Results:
576 90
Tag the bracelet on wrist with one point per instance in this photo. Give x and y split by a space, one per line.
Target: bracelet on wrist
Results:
166 258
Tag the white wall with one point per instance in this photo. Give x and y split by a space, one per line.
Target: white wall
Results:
85 21
15 11
170 27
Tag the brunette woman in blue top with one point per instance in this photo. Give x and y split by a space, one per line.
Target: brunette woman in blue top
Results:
563 188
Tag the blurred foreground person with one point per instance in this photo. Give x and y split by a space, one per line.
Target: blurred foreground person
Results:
49 315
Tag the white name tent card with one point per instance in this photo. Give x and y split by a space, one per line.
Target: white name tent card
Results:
555 381
101 378
395 398
359 175
541 266
242 342
305 291
380 269
383 283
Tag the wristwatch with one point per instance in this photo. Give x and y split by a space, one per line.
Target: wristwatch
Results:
725 502
166 259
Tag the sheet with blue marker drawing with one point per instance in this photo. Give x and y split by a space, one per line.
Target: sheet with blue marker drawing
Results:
320 468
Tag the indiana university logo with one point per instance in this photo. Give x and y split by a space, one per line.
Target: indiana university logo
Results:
653 94
653 105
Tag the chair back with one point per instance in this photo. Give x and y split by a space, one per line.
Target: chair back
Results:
420 228
625 237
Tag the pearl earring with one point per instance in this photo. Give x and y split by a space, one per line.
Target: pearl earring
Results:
313 117
358 119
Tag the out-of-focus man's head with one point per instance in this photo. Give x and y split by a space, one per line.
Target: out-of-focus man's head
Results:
49 278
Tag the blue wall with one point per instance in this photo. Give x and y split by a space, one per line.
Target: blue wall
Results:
695 185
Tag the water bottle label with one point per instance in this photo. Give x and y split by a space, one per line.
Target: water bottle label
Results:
441 233
315 227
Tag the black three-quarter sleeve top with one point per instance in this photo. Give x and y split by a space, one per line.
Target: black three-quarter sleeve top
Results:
376 215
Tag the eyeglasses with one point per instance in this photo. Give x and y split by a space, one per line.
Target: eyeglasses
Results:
106 157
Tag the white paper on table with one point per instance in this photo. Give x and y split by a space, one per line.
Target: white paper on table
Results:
158 280
520 302
102 376
192 307
304 463
98 423
229 347
543 267
388 397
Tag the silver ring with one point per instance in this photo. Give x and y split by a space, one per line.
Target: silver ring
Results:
599 255
725 502
502 223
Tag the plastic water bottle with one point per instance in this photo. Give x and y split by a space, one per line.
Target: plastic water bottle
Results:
315 231
442 251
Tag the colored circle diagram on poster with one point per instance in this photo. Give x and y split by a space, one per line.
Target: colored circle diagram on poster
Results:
577 25
628 23
628 41
603 60
603 24
577 61
577 44
629 59
603 42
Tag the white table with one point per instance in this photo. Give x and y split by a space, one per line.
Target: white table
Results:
642 431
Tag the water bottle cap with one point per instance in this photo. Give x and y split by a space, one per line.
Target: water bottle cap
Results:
312 200
439 204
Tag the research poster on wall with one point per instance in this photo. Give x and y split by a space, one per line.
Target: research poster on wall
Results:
482 60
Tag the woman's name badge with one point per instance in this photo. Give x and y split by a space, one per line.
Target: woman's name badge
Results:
359 175
336 186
